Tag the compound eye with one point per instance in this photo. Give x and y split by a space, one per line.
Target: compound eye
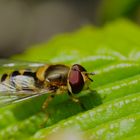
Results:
76 81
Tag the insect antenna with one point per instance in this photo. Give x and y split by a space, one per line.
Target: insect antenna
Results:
90 73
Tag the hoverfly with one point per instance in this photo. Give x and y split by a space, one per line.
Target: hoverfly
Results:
50 79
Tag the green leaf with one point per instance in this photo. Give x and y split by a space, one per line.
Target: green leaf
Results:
109 9
112 105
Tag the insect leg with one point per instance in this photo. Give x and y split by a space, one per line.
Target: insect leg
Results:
44 106
76 100
47 101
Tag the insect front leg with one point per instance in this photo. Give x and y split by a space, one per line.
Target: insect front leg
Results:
76 100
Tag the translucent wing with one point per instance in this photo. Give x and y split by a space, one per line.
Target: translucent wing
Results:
9 94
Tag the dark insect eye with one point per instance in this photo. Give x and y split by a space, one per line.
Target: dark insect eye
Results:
76 81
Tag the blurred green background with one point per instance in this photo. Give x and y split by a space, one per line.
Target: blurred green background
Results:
24 23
